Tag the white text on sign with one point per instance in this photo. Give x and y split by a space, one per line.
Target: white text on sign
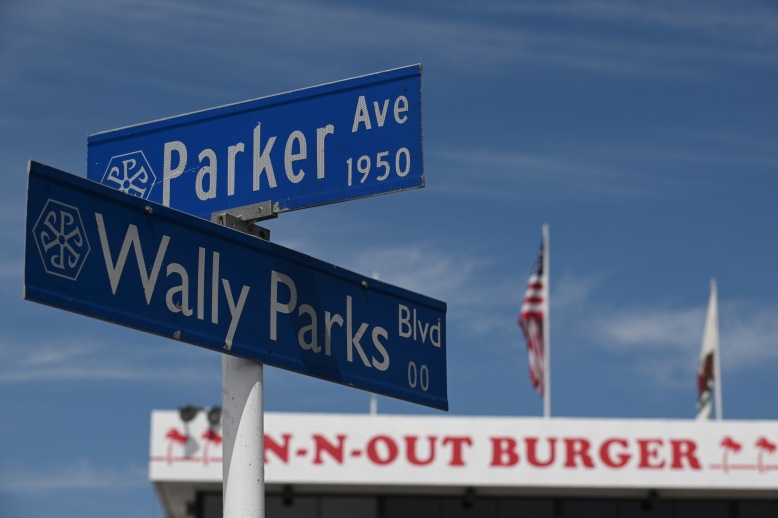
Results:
209 167
199 290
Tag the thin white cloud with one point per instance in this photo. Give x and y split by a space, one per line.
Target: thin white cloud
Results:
664 342
82 359
655 327
541 33
56 355
82 475
674 371
749 22
419 268
101 371
749 337
677 150
572 291
289 39
514 174
611 168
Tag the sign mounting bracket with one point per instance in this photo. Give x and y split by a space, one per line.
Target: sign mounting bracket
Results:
244 218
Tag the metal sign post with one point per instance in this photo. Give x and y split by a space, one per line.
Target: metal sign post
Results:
243 460
243 410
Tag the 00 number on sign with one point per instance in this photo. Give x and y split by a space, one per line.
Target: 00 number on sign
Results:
420 376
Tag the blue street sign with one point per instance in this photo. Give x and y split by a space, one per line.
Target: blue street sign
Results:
93 250
335 142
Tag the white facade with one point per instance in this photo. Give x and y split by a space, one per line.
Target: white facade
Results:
363 454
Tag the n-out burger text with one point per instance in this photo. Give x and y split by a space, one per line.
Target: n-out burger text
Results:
492 452
503 452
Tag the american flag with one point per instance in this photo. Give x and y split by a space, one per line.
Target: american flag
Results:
531 322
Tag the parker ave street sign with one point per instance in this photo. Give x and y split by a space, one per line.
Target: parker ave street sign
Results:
93 250
339 141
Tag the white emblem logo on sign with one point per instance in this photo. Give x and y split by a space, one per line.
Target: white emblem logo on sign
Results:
130 173
61 239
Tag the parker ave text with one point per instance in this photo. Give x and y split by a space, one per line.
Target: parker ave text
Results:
292 161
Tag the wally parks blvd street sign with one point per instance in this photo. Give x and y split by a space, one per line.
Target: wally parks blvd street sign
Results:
339 141
93 250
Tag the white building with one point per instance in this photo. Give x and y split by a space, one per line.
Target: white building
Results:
346 465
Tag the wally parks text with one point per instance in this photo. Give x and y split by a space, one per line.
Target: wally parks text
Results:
257 298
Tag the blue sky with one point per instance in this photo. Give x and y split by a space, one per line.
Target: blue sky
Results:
643 133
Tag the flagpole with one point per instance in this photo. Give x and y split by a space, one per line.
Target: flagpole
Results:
546 327
717 361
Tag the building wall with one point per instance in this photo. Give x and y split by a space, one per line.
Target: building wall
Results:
584 467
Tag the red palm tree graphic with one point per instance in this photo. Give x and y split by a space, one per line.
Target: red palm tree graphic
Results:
764 446
729 445
175 437
210 437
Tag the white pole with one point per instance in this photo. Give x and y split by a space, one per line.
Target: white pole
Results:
243 465
546 325
243 430
717 358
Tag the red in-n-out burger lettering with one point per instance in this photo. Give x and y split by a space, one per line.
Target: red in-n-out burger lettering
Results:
381 450
578 452
649 453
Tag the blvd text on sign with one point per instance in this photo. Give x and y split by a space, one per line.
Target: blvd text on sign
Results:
339 141
95 251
